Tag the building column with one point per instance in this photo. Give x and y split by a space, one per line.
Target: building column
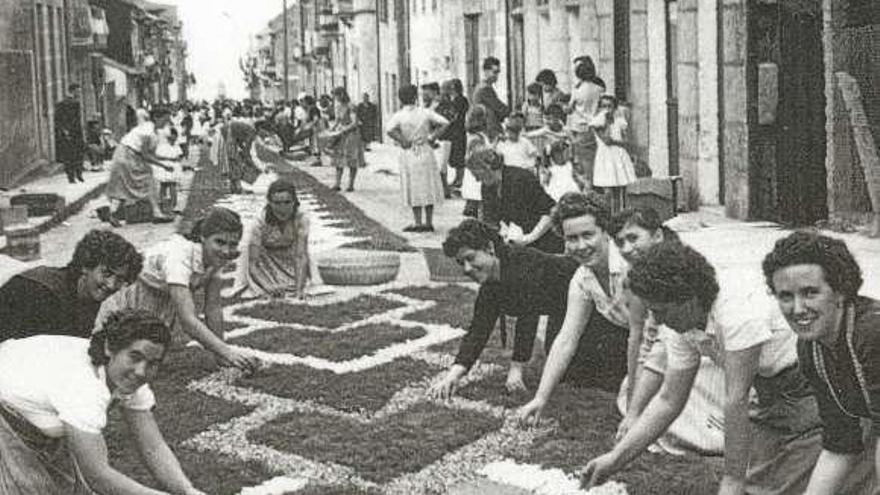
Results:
557 56
589 31
658 145
639 90
532 33
605 61
707 52
688 103
734 109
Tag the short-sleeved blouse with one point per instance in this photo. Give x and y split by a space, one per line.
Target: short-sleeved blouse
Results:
736 322
176 261
50 381
611 305
142 138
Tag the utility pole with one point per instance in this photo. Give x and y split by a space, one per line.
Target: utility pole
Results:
286 57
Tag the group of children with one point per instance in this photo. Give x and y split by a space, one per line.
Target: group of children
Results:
537 139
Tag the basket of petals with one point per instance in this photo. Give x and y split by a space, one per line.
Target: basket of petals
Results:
358 267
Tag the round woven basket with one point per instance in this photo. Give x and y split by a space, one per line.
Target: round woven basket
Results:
359 267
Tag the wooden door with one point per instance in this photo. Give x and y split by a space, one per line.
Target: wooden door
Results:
789 158
801 149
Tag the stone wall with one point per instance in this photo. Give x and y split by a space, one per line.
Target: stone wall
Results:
22 141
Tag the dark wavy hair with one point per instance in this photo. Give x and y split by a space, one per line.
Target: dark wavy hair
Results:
473 234
216 219
672 272
490 62
279 186
109 249
124 327
646 218
484 157
547 76
842 272
576 204
584 68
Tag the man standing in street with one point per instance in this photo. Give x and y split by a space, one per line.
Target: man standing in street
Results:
366 114
484 94
70 144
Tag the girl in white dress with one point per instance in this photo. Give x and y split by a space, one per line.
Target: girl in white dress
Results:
614 168
561 178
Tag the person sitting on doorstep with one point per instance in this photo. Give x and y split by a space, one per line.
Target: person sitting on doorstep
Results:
55 393
102 263
517 150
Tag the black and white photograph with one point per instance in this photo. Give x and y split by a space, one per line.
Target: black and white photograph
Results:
439 247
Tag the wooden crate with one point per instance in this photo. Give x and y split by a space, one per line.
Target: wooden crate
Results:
657 193
39 204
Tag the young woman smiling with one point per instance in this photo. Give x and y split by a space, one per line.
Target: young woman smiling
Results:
591 345
514 281
174 270
55 392
816 282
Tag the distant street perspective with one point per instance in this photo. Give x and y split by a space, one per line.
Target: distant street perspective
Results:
546 247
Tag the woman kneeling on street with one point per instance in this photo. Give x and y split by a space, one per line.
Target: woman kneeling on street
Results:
816 282
55 392
178 268
591 348
515 281
770 445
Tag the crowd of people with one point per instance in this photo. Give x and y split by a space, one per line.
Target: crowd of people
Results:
784 386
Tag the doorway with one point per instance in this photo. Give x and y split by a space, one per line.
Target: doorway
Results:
800 155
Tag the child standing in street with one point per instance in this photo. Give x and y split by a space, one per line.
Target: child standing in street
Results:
517 150
471 189
532 109
552 131
559 176
614 168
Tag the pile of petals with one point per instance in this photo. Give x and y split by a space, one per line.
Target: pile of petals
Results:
276 486
545 481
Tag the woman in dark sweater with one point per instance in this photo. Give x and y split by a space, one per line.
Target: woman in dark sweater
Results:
514 281
816 281
514 199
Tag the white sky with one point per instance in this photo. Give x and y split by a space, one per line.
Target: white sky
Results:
217 33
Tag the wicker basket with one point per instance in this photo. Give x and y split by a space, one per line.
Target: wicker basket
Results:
359 267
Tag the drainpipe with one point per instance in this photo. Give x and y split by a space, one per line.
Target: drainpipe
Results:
379 99
507 57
